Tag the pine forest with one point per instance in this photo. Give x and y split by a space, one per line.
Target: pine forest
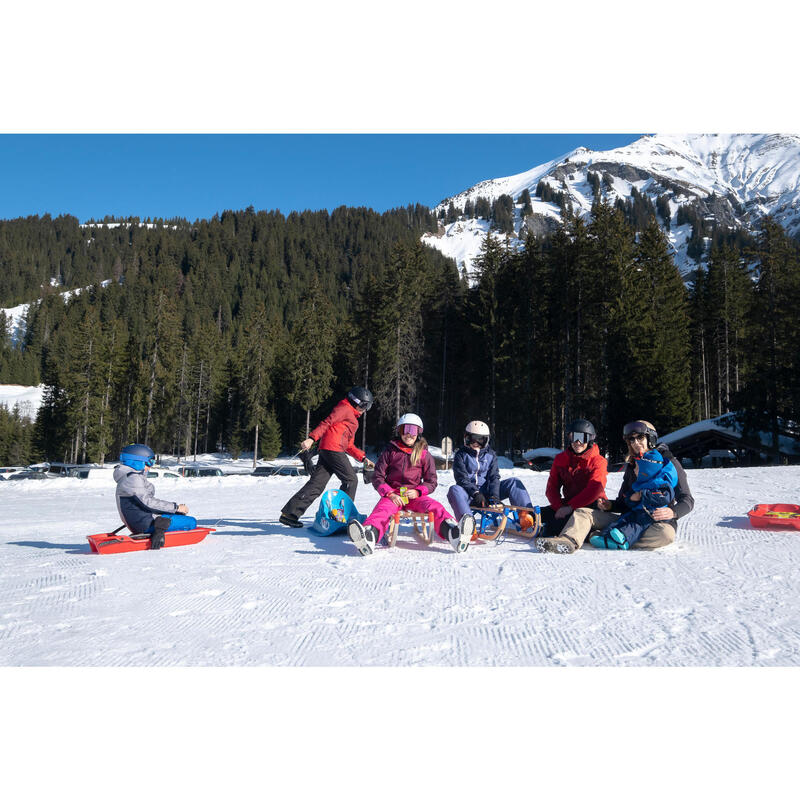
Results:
244 330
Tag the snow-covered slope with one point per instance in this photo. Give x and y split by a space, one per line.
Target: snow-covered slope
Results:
257 593
16 316
26 398
731 180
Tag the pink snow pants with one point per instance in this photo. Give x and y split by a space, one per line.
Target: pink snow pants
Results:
386 509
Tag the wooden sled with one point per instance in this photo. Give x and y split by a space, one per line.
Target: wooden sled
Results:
775 515
104 543
422 521
493 521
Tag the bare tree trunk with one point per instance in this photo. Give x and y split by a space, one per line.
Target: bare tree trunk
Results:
308 421
255 448
197 415
153 362
107 397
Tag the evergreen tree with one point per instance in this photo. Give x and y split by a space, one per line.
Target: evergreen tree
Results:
313 338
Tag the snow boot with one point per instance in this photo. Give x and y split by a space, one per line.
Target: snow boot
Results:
290 520
556 544
460 535
612 539
363 538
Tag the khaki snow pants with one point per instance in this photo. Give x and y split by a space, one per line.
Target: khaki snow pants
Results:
585 520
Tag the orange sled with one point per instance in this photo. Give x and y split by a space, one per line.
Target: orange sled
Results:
775 515
103 543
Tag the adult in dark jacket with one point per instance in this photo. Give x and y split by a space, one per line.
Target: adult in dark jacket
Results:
336 436
405 477
577 477
640 436
477 475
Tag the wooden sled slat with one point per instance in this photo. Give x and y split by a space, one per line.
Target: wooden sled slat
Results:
421 520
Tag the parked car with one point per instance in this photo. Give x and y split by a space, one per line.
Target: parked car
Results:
7 470
162 474
200 472
268 472
31 474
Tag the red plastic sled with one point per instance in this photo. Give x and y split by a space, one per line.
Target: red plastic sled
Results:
103 543
775 515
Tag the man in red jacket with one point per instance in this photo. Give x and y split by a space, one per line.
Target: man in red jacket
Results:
577 477
336 436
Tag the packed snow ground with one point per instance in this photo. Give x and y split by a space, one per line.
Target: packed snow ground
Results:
257 593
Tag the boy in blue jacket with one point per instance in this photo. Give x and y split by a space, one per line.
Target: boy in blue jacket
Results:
653 488
477 475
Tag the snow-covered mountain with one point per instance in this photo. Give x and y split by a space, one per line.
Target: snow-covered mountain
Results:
727 181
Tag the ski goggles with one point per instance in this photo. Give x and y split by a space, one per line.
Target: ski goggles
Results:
409 430
637 427
476 438
579 436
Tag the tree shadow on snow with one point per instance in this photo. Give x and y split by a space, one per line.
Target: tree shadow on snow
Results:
255 528
72 548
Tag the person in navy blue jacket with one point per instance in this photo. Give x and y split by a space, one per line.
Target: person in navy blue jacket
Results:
477 475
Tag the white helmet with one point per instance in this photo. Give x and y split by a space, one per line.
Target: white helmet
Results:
476 431
410 419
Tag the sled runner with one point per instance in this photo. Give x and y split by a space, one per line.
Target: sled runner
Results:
103 543
421 520
493 521
775 515
335 510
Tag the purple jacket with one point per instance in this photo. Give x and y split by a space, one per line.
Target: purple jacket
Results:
394 470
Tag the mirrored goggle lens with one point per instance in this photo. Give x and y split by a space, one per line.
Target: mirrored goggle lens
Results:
477 439
578 436
410 430
149 462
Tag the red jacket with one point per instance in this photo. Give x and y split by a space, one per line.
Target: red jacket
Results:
582 478
338 430
394 469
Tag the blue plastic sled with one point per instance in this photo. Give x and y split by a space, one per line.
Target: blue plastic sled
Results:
335 510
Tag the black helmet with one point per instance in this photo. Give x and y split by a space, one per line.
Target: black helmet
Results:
137 456
361 398
580 426
641 426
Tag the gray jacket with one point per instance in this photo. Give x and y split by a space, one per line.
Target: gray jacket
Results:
135 502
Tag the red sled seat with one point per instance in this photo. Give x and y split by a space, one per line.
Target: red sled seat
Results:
104 543
775 515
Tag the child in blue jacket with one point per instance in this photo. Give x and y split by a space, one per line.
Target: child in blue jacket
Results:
653 488
477 475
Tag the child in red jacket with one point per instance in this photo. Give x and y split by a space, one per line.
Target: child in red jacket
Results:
405 477
336 435
577 477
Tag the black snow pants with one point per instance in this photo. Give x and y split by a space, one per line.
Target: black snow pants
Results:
330 462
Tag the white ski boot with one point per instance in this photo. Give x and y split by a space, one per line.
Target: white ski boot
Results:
363 538
460 535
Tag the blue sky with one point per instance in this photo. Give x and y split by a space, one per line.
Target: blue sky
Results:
197 175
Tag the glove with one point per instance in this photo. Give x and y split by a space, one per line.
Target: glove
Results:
157 537
478 500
